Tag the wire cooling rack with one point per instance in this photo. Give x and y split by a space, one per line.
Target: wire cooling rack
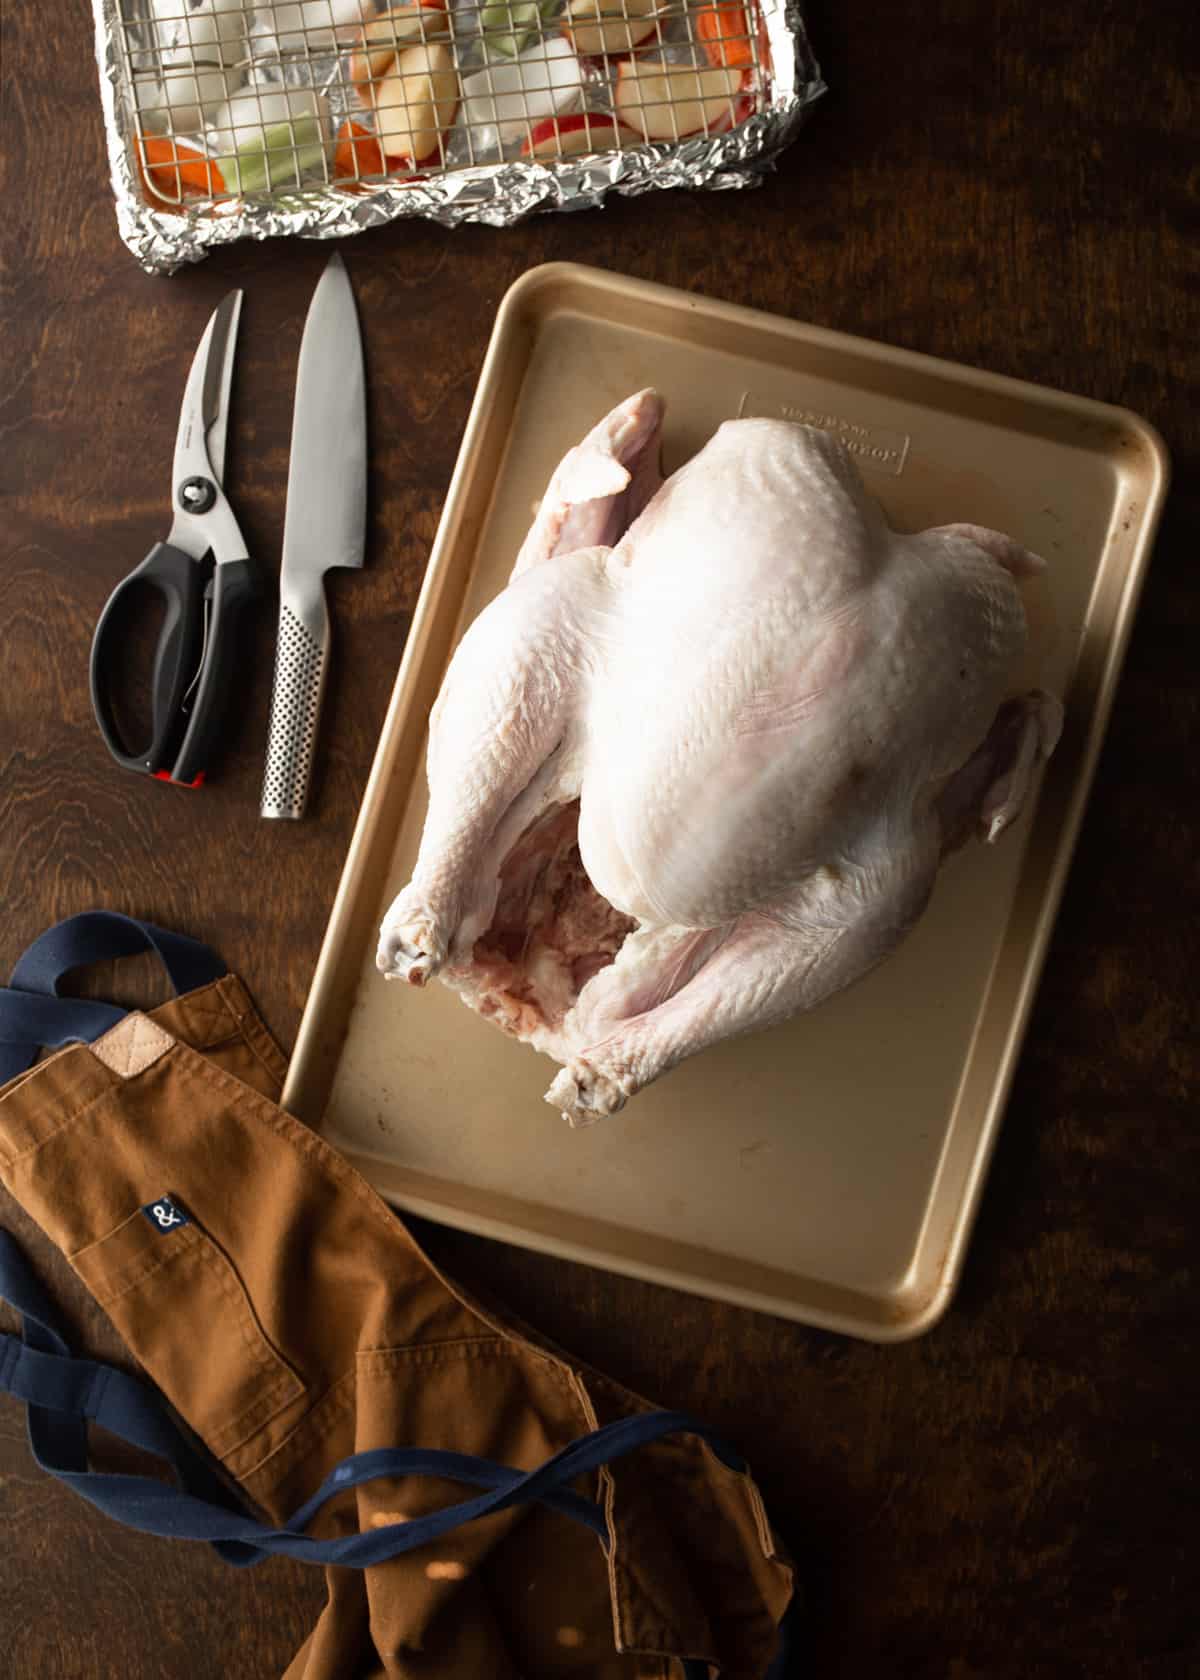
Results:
227 100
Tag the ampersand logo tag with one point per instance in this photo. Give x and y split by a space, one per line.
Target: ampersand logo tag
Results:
165 1215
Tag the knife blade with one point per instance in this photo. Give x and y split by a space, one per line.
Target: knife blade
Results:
324 526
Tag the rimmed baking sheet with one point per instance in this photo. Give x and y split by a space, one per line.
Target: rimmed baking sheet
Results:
829 1170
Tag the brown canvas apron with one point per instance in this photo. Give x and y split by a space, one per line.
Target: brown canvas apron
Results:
291 1321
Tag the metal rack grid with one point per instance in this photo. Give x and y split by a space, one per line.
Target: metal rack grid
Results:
232 98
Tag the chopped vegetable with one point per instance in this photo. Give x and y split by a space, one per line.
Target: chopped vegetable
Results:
513 97
582 131
670 101
510 25
725 34
173 169
301 25
416 102
270 137
384 36
600 28
357 153
199 31
179 102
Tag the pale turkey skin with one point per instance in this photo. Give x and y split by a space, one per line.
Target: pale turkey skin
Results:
777 716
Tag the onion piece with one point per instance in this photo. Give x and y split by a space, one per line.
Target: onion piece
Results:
179 101
512 97
269 137
199 31
302 25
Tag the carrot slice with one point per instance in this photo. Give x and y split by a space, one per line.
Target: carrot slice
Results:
725 32
171 168
357 152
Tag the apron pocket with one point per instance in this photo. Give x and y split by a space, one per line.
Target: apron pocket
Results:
178 1301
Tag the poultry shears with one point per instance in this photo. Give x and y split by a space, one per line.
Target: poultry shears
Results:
204 576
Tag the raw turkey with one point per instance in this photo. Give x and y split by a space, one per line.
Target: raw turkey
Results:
696 767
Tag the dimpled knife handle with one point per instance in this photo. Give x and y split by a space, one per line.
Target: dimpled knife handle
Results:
300 661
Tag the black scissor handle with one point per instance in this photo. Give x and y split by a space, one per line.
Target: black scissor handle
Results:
180 581
233 584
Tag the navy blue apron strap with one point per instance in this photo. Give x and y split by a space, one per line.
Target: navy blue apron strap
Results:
52 1381
63 1439
100 935
29 1023
154 1508
62 1393
588 1453
78 1388
32 1014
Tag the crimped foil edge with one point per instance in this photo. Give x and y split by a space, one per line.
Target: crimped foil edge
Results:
496 195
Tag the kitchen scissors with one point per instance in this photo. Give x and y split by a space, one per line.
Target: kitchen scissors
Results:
202 572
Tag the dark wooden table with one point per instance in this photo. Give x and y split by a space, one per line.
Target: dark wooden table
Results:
1013 185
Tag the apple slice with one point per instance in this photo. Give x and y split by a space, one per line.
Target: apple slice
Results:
391 32
668 101
583 131
603 28
415 103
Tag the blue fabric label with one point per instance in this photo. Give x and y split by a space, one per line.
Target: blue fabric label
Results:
165 1215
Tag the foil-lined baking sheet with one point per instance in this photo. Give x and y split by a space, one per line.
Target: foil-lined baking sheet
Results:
229 120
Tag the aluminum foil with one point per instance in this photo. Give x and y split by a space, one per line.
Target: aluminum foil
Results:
497 194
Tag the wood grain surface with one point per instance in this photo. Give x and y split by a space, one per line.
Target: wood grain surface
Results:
1012 185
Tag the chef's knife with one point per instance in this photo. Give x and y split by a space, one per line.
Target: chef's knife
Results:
323 527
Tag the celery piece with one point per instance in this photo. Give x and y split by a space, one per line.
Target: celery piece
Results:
510 25
276 156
